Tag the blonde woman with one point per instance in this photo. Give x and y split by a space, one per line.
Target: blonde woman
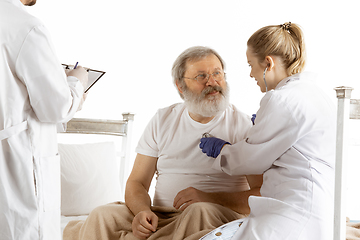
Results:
292 144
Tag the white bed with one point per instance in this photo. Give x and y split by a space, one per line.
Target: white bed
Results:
88 182
95 163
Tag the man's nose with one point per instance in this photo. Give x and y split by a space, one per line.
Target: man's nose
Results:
211 81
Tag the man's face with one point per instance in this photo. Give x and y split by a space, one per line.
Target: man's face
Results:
207 65
28 2
206 99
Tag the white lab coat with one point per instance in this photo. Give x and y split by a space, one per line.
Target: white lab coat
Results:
293 144
34 96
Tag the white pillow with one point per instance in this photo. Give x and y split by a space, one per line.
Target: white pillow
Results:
89 177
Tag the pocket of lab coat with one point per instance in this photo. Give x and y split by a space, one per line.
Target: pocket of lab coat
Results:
47 181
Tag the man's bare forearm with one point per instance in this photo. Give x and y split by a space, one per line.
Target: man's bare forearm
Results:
136 198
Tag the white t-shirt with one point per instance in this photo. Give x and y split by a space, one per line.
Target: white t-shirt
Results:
174 137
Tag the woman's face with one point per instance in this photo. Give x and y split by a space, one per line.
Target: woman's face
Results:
257 69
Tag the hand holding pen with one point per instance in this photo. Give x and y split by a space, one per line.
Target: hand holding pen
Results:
80 73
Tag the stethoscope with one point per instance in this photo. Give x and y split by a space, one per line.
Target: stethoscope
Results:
254 115
207 135
265 80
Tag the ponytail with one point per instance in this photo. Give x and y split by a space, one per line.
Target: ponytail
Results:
285 41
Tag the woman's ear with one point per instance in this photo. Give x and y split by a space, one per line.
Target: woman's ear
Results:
270 63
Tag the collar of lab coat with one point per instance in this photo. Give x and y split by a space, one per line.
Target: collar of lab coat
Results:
17 3
304 76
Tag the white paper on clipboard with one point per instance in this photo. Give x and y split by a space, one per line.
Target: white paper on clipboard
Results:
94 75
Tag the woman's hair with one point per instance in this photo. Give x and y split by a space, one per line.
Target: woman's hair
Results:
191 54
285 41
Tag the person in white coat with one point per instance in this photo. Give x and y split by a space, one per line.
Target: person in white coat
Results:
292 143
35 95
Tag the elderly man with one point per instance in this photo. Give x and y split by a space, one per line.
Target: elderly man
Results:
190 198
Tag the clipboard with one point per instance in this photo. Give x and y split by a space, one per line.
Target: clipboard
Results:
94 75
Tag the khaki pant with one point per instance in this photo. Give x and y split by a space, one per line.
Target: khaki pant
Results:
113 222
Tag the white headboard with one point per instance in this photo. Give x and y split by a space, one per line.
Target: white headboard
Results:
121 128
89 165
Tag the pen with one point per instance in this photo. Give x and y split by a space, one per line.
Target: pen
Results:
76 65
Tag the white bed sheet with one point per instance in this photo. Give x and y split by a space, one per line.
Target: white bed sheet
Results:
66 219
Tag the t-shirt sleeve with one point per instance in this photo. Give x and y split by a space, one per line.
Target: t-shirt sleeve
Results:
147 144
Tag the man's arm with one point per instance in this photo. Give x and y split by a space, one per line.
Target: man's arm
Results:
237 201
137 198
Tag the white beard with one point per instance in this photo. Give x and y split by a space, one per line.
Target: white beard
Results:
205 105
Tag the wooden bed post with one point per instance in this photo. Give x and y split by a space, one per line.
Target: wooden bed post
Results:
343 112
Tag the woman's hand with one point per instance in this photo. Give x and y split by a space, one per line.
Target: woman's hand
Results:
212 146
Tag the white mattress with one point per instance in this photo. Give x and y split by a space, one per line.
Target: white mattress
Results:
66 219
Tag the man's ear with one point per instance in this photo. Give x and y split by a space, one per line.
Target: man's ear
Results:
270 63
178 86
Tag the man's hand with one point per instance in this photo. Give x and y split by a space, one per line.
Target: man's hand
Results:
144 224
189 196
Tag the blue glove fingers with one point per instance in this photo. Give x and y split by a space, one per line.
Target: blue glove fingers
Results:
205 149
253 119
202 142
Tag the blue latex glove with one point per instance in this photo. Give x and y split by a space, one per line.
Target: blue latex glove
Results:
212 146
253 119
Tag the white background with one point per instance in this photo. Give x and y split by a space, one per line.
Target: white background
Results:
136 43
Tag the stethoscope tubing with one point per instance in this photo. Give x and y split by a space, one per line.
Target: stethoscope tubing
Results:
265 80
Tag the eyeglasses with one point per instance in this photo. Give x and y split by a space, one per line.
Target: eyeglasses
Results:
203 78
